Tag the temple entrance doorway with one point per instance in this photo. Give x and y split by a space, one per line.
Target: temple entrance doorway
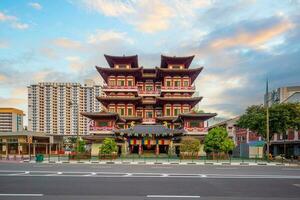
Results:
163 149
149 149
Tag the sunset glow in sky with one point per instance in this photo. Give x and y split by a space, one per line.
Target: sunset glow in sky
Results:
239 43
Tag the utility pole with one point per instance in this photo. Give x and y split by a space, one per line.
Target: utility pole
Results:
267 118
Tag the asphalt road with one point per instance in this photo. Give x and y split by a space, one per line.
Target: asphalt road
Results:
83 181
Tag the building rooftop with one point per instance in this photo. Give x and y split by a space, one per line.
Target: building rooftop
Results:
12 110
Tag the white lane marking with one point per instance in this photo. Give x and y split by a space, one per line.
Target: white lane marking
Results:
225 168
171 196
296 185
128 174
91 174
22 195
203 176
291 169
59 173
19 174
164 175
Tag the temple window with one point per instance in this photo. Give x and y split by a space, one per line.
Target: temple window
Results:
149 87
185 83
176 67
176 111
194 124
168 111
121 82
177 83
129 83
186 110
102 124
111 82
139 113
158 113
129 111
122 66
149 114
121 111
168 83
111 109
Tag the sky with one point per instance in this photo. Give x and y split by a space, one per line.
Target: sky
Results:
239 43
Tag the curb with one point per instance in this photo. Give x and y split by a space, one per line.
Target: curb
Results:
162 163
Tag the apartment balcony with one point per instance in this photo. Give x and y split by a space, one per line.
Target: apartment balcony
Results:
178 89
116 88
150 93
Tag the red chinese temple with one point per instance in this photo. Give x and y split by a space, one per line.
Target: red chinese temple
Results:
147 109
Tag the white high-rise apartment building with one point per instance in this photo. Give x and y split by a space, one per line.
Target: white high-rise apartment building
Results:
11 120
54 107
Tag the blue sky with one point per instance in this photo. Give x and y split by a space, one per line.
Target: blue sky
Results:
239 43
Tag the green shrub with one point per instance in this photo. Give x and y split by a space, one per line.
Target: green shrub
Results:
109 146
190 145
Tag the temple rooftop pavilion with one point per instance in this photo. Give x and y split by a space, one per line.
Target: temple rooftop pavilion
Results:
147 110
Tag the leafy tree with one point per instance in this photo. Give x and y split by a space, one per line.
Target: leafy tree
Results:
109 146
217 141
254 119
189 144
282 117
81 147
227 145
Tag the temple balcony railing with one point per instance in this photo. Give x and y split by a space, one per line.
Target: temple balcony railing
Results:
148 121
196 130
101 128
149 93
178 89
119 88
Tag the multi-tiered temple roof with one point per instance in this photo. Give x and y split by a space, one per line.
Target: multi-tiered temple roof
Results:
161 96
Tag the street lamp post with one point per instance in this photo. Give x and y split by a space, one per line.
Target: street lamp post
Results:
267 118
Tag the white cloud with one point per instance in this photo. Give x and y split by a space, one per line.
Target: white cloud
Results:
67 43
109 8
148 16
2 77
35 5
13 20
75 63
20 26
3 44
4 17
108 35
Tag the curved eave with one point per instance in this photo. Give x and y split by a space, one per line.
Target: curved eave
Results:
128 119
165 118
103 116
190 100
105 72
192 73
108 99
186 61
111 60
195 116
